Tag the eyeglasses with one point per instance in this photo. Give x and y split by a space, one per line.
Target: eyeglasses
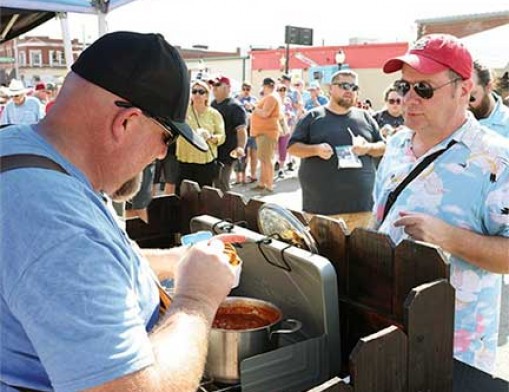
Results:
198 91
17 96
281 89
246 88
393 101
169 137
347 86
422 89
216 84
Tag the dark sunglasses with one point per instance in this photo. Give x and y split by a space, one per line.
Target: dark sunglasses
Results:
169 136
422 89
281 89
198 91
393 101
347 86
217 84
17 96
246 88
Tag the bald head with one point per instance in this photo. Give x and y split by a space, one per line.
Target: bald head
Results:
94 134
82 100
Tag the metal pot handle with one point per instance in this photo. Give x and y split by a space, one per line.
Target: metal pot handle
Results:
296 326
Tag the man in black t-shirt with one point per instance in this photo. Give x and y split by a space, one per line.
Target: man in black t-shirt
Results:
391 118
337 144
235 124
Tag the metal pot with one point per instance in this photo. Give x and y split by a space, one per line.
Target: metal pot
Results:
254 322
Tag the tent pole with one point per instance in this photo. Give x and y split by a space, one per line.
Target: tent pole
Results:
64 25
102 25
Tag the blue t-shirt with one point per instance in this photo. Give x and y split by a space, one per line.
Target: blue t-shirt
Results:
498 120
29 112
320 101
76 300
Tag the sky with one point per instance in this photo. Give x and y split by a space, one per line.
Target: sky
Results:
228 24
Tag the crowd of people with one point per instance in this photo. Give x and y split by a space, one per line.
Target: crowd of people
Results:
81 304
21 105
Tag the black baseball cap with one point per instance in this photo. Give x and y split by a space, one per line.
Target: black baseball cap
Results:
145 70
285 77
268 82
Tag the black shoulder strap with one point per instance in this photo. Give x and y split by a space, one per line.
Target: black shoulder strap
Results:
20 161
391 199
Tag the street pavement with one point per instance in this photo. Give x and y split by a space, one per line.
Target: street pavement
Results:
287 194
286 191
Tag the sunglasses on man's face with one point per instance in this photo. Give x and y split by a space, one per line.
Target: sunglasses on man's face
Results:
422 89
281 90
246 88
198 91
347 86
169 137
394 101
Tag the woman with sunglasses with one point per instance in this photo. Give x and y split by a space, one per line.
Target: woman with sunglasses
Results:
390 119
206 121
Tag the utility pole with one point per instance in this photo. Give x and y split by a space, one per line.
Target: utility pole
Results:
16 59
287 58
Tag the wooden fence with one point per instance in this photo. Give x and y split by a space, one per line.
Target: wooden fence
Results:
395 303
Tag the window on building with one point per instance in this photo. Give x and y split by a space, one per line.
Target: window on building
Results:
22 59
56 58
35 58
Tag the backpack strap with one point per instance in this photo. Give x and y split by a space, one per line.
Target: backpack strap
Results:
391 199
21 161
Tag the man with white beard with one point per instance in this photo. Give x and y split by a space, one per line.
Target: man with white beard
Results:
81 306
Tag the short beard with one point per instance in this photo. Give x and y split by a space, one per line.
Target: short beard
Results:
128 189
483 110
345 103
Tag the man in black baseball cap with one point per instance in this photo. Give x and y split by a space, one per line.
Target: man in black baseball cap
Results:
81 305
147 72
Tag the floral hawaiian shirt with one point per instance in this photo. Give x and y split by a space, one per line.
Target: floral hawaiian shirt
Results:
468 187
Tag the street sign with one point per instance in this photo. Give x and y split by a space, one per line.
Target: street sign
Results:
298 35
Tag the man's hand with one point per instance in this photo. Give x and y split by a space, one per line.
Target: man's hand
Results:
204 277
485 251
324 151
237 152
360 146
422 227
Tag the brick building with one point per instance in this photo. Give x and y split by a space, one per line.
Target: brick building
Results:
38 57
318 63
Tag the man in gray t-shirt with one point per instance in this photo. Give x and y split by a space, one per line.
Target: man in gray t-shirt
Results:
337 144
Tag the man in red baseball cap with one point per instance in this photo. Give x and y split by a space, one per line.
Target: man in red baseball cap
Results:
443 181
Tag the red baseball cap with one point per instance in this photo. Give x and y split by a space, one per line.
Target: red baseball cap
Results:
435 53
221 79
40 86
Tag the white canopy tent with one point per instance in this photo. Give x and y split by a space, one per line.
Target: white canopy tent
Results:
20 16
